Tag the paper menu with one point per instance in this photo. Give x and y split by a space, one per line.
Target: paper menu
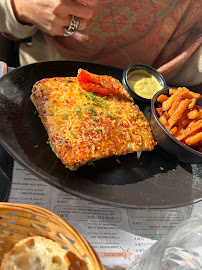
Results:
118 235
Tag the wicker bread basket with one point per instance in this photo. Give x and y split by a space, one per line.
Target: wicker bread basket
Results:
19 221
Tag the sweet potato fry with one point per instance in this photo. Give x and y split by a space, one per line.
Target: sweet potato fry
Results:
159 111
163 120
162 98
186 122
191 128
172 91
173 130
192 114
178 113
200 113
193 139
166 115
180 129
166 105
175 104
180 121
192 104
191 95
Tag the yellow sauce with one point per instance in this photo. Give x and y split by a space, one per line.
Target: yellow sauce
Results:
143 83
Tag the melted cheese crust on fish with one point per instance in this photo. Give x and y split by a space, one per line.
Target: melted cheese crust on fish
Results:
84 126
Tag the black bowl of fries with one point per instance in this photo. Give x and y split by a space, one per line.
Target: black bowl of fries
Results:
176 123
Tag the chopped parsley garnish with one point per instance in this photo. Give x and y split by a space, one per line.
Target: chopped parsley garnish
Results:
110 95
79 110
108 114
65 117
104 131
141 117
119 123
69 80
66 84
104 104
36 146
90 95
52 113
93 97
94 118
91 163
161 168
98 129
118 161
71 133
118 131
130 115
35 112
90 108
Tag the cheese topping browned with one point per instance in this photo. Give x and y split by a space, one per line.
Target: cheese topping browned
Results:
84 126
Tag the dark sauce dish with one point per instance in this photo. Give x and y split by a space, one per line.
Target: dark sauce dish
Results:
144 68
168 142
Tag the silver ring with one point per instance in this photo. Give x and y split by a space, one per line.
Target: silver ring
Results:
73 26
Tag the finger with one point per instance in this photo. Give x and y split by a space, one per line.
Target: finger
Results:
79 10
90 3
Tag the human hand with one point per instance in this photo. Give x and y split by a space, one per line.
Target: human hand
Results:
52 16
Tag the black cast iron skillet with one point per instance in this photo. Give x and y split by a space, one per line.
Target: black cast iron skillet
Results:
156 180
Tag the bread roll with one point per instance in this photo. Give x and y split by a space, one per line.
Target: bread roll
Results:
36 253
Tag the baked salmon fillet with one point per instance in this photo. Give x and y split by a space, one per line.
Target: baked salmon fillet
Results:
89 120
